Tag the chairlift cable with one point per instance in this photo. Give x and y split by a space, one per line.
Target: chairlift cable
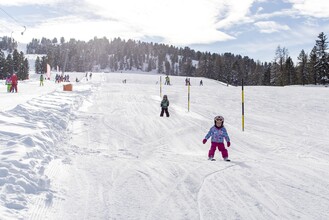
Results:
17 22
9 15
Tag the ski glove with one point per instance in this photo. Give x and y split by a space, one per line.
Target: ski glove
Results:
228 144
204 141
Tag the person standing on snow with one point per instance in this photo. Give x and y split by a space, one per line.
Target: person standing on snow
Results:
164 106
41 80
13 83
218 133
8 83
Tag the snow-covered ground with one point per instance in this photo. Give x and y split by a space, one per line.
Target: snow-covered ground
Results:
102 151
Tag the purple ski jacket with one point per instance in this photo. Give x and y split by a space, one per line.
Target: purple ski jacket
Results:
218 134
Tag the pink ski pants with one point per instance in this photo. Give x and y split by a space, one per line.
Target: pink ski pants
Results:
221 148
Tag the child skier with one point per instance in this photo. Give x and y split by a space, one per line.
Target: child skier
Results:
164 106
8 83
218 133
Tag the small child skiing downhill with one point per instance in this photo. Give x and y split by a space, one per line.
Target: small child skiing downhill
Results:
164 106
218 133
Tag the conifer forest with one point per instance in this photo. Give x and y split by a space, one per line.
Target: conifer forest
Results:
102 54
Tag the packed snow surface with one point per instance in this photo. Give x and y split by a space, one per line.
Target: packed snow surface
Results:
101 151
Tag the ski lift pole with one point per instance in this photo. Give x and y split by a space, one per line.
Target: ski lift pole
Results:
188 97
242 106
160 87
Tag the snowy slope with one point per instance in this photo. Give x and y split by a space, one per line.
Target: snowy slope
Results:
102 151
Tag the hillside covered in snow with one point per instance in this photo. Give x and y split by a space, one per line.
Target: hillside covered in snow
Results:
101 151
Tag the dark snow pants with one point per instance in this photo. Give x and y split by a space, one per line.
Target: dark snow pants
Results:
164 110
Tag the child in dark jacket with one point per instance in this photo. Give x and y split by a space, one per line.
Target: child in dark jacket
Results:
164 106
218 133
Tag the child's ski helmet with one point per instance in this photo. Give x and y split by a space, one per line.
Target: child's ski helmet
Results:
219 118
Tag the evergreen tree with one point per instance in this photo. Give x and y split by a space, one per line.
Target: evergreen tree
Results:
188 68
9 68
236 70
267 75
38 65
311 66
62 40
8 44
44 62
256 77
3 73
149 66
202 70
289 74
26 69
322 65
167 67
16 61
302 72
227 67
23 71
217 74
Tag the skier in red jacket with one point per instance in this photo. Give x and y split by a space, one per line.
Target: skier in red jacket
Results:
13 83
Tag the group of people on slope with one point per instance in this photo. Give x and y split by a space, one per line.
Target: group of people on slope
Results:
62 78
217 132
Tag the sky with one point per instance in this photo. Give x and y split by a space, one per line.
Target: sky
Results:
101 151
253 28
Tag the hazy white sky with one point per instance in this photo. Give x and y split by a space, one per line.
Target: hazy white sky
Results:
253 28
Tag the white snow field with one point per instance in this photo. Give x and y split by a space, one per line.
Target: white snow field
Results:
101 151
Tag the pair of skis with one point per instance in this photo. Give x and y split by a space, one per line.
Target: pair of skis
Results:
213 159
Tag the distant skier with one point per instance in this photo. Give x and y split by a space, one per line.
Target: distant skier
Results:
41 80
164 106
218 133
14 82
167 82
8 83
187 81
201 83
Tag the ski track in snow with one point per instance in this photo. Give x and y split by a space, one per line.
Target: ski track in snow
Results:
117 159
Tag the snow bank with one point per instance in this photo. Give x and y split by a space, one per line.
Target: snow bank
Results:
30 135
